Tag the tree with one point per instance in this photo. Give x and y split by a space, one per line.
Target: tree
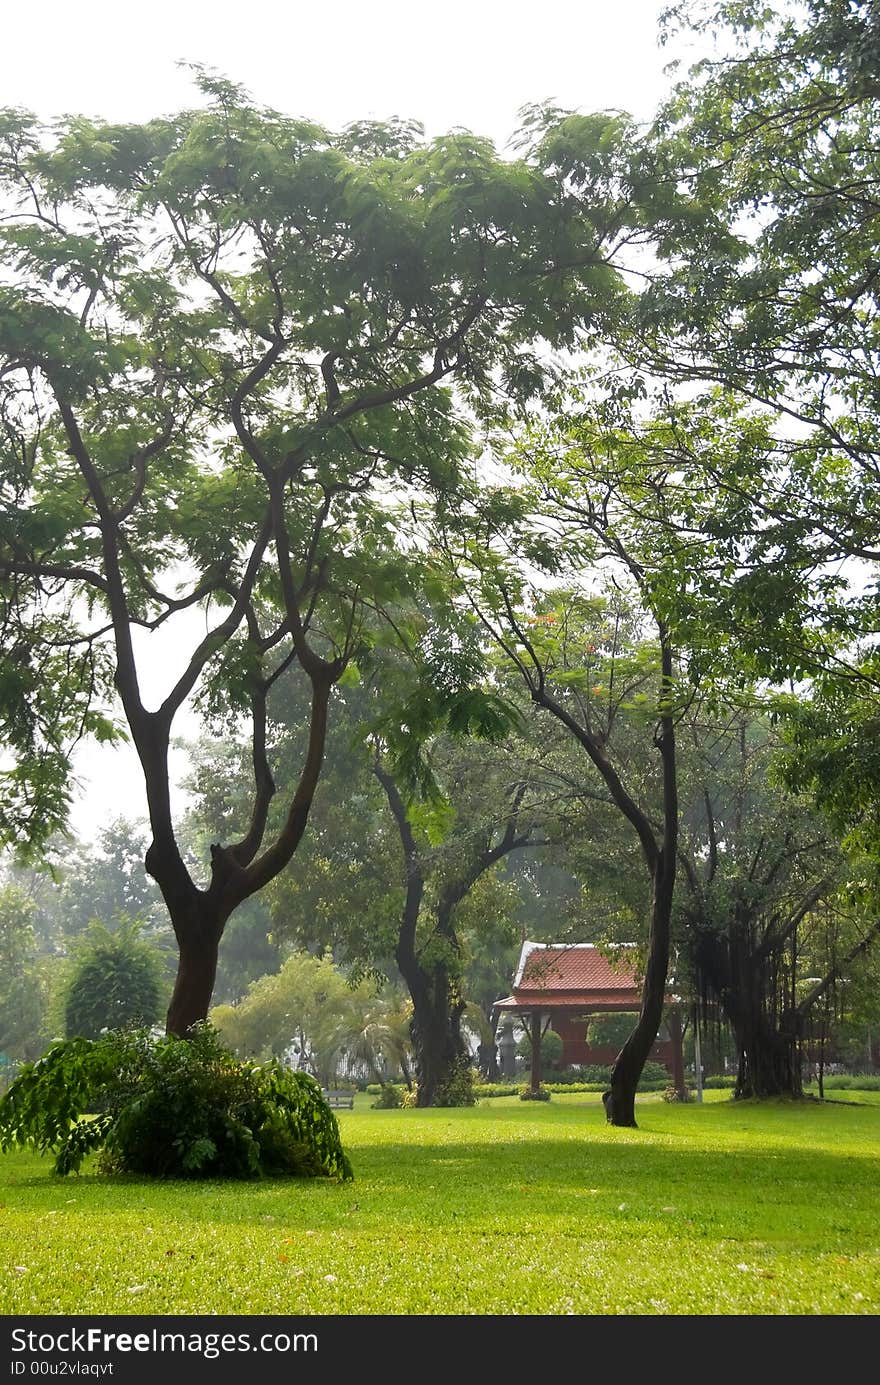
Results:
428 949
410 824
225 338
116 982
22 988
579 510
308 1006
760 871
780 137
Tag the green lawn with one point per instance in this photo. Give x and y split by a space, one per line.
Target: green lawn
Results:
503 1208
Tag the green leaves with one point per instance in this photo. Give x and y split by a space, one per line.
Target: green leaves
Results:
228 305
171 1108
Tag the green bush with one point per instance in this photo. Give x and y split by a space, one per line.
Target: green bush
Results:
171 1108
672 1093
116 982
654 1084
719 1081
458 1089
611 1030
855 1081
551 1049
542 1094
482 1089
389 1096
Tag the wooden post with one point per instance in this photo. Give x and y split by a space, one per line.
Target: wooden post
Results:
536 1052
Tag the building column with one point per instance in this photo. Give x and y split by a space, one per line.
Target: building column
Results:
536 1052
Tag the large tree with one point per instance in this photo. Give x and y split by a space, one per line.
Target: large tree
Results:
779 132
760 873
583 660
226 338
494 817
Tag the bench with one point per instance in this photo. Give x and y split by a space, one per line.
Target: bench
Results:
335 1099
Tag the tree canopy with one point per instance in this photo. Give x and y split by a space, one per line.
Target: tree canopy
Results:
226 337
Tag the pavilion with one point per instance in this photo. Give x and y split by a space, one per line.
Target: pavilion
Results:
561 986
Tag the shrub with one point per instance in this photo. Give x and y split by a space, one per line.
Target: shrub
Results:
856 1082
171 1108
458 1089
551 1049
542 1094
611 1030
389 1096
718 1081
672 1093
116 982
568 1077
482 1089
654 1072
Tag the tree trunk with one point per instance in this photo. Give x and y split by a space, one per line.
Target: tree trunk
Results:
660 859
769 1062
436 1034
676 1034
194 984
620 1099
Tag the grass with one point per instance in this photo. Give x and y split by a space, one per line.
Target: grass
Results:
502 1208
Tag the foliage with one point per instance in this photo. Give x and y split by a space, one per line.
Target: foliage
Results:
309 1008
610 1029
171 1108
551 1049
103 879
541 1093
458 1088
389 1096
115 983
778 132
673 1094
22 984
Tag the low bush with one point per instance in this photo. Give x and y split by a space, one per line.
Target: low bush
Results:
171 1108
562 1084
459 1087
855 1081
721 1080
482 1089
542 1094
389 1096
671 1093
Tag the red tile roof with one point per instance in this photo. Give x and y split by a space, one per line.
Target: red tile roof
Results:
572 967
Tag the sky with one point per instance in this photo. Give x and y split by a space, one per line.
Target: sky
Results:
460 62
471 63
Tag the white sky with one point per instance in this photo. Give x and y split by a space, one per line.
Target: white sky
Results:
467 63
459 62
